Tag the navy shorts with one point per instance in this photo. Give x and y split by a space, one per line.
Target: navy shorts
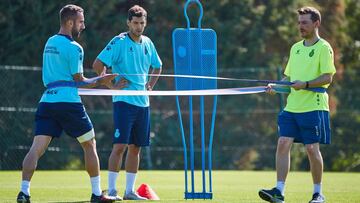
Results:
132 124
53 118
307 128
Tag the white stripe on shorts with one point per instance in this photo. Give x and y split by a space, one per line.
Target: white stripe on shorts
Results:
87 136
324 127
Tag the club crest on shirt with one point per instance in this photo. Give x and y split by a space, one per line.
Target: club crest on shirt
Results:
311 54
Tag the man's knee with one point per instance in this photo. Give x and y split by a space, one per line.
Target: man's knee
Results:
39 145
313 150
134 150
89 145
284 145
119 149
36 151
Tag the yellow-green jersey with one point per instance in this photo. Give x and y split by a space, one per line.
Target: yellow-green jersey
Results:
307 63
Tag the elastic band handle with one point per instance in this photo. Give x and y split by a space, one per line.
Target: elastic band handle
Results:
313 89
187 17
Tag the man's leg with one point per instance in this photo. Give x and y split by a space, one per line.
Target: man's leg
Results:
114 165
93 168
283 161
38 147
140 136
92 165
91 158
316 165
132 166
276 194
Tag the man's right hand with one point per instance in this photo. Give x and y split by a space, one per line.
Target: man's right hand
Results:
270 90
122 83
106 80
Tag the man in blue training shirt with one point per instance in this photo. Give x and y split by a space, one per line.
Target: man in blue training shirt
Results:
131 55
60 109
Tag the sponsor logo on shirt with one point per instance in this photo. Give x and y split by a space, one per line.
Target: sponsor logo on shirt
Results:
52 92
51 50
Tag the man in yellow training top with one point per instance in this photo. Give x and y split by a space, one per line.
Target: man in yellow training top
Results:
305 118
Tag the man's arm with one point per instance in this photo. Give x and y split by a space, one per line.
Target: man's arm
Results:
285 78
153 79
79 77
323 79
270 90
99 67
106 80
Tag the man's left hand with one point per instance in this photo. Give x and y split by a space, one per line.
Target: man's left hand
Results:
298 85
149 87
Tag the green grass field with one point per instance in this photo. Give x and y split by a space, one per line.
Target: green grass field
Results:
228 186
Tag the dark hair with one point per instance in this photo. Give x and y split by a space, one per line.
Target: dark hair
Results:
69 11
136 11
315 14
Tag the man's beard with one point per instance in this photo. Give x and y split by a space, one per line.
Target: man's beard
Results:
75 33
307 35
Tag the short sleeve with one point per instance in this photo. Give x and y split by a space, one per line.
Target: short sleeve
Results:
76 58
288 65
108 54
155 59
327 60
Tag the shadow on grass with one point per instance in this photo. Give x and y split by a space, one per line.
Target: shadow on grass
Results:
71 202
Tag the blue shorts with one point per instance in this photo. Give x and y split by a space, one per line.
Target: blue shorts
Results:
52 118
307 128
132 124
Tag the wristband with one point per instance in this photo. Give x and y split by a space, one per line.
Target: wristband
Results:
307 84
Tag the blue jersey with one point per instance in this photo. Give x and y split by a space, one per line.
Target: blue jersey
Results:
126 56
62 58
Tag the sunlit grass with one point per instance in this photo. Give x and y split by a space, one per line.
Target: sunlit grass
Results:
228 186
